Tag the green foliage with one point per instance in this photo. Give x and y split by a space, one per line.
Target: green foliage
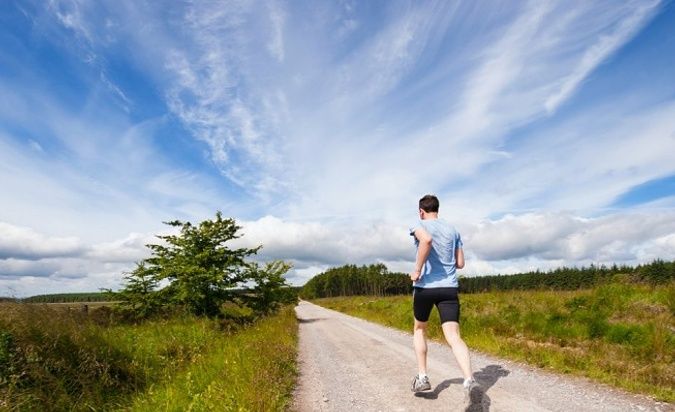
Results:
139 296
352 280
270 291
7 357
200 273
53 359
657 272
375 280
70 298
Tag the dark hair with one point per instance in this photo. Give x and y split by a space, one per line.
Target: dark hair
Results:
429 203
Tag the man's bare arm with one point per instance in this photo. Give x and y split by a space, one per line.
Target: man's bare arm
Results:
459 258
422 252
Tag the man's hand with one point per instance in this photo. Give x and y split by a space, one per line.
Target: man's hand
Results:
414 275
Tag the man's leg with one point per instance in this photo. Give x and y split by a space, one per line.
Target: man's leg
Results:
459 348
420 341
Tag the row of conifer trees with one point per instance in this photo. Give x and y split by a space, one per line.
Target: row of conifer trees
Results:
376 280
350 280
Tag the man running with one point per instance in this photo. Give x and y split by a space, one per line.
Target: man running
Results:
439 255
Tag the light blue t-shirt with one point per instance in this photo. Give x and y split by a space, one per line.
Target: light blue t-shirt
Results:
439 270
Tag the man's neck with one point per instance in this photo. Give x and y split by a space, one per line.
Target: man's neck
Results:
430 216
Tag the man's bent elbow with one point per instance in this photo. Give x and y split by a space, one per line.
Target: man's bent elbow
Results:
460 265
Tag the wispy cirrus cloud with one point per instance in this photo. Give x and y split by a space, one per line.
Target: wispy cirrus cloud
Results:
326 121
633 19
263 116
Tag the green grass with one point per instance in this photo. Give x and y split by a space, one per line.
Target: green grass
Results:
55 359
619 334
253 370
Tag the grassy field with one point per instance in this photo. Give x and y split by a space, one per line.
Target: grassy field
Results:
619 334
57 359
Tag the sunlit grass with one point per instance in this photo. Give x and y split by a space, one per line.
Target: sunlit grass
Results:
619 334
55 359
253 370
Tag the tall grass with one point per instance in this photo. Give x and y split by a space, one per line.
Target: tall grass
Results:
253 370
619 334
56 359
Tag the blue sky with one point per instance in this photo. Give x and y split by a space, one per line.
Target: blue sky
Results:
547 129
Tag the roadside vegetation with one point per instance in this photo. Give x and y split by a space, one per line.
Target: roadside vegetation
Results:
197 326
253 370
621 333
52 359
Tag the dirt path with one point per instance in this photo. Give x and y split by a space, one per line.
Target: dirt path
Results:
348 364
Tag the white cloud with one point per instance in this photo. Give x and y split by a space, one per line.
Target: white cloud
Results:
76 16
564 237
299 276
662 248
25 243
312 243
514 243
583 164
336 134
277 19
130 249
31 262
342 128
69 13
35 146
601 49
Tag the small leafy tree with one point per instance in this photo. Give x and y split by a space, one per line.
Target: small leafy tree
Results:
270 290
140 297
200 272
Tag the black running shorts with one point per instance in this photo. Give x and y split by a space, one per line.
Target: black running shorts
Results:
445 299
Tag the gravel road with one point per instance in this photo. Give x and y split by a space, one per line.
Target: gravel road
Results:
348 364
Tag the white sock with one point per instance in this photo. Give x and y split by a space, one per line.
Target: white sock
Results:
422 375
467 382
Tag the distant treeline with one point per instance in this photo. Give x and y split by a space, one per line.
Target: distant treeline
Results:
70 297
570 278
350 280
376 280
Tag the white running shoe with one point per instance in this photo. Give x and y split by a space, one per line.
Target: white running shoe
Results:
420 384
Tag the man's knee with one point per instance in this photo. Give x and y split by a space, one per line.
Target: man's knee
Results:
420 326
451 330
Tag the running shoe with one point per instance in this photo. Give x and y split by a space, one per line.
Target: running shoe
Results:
420 384
468 388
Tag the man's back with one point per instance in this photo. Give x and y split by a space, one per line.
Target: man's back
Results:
440 267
